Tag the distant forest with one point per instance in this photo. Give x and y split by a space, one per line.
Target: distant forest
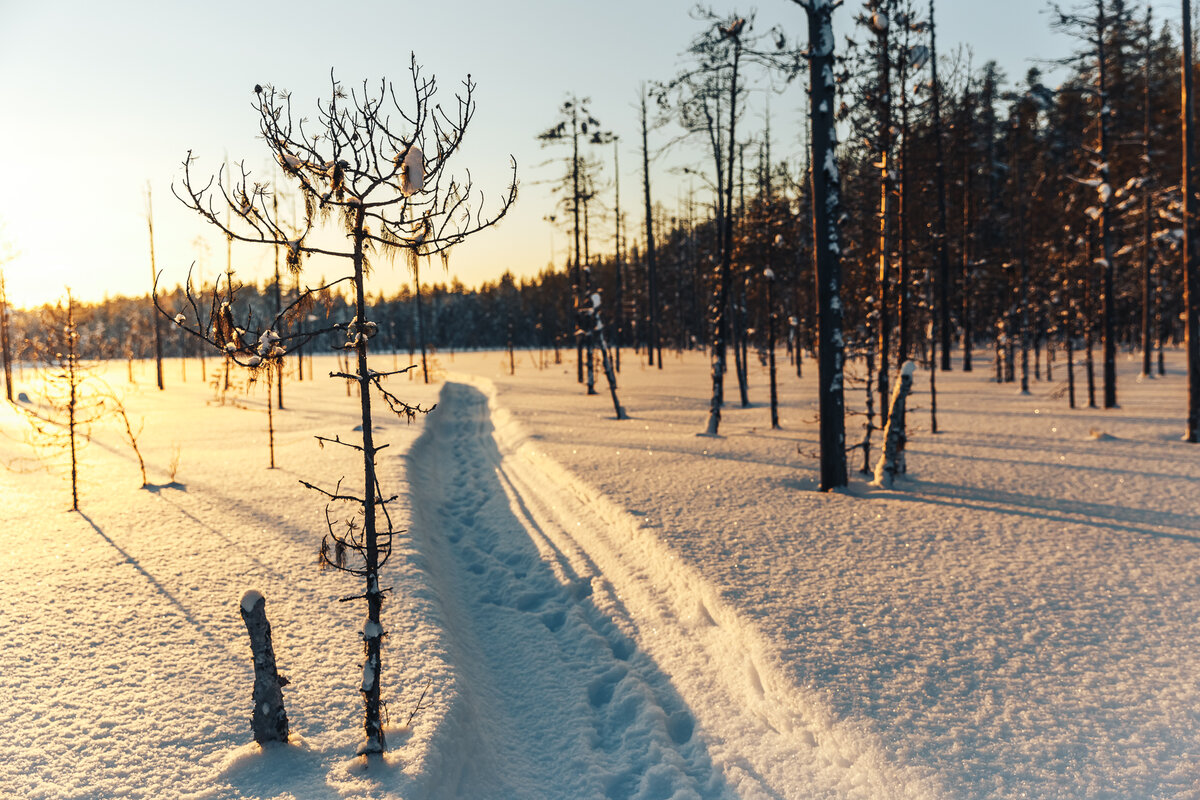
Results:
1062 229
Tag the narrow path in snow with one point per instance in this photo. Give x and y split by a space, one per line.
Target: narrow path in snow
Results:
590 662
554 698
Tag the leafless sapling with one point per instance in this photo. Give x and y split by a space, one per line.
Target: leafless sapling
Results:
64 423
379 167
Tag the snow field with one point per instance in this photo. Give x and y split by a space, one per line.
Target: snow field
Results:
125 669
592 608
768 737
1015 619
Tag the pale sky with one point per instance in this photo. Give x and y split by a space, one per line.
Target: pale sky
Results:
101 99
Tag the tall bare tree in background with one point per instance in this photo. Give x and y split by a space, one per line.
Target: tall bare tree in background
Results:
709 88
158 369
5 344
379 168
1191 286
575 121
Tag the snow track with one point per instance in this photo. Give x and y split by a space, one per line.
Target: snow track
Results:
582 647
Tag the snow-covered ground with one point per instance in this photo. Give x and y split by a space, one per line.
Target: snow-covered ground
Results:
587 607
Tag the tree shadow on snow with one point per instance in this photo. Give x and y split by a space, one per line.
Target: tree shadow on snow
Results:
1075 512
155 488
215 640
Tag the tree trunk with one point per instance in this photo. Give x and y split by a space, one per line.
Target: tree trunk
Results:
891 461
1191 286
1108 313
770 320
721 323
652 347
869 426
269 718
943 255
826 248
158 369
5 349
373 631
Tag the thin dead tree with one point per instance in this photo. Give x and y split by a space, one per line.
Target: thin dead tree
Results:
158 351
1191 241
63 424
712 86
5 344
380 168
653 348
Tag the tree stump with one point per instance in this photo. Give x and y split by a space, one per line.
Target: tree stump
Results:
891 461
269 720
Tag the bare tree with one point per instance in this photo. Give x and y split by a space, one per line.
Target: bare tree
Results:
5 344
575 121
158 371
381 166
1191 241
710 87
63 424
653 348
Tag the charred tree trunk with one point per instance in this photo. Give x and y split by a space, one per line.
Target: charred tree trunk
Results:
826 195
269 718
373 631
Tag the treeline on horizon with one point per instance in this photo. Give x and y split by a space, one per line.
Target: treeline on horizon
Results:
1027 184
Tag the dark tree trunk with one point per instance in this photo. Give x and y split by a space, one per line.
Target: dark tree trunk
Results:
1191 286
967 241
5 347
1147 241
619 316
826 248
869 425
884 148
269 718
373 631
770 320
943 255
1108 313
158 350
725 277
652 347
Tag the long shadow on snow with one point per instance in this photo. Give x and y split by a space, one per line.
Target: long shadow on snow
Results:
545 673
213 638
1095 515
929 451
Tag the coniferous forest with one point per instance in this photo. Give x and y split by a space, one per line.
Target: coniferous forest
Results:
1041 223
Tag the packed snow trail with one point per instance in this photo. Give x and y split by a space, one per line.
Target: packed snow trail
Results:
554 700
588 661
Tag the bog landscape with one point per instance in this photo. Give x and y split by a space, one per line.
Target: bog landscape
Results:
858 464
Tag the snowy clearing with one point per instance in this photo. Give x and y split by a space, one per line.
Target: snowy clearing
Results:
592 608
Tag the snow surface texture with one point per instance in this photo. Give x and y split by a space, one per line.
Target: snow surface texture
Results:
595 608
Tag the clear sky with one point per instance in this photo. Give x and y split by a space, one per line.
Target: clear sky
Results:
102 99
